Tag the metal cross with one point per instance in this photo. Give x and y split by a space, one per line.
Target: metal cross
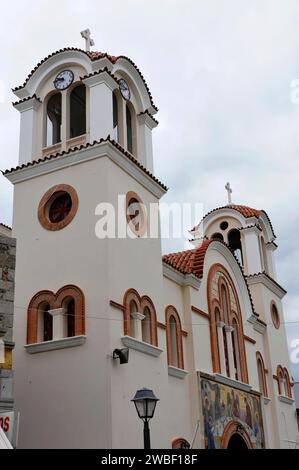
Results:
88 41
229 192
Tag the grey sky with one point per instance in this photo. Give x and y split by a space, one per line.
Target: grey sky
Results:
220 73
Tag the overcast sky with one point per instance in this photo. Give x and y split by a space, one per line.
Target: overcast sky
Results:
220 72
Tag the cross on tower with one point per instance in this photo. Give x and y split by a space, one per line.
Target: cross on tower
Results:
229 192
88 41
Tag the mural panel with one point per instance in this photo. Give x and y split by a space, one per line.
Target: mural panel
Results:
222 405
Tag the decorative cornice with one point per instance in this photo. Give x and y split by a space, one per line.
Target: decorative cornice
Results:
176 372
141 346
287 400
76 155
94 56
268 282
55 344
180 278
146 118
32 102
100 76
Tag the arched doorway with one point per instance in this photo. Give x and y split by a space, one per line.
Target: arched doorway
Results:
236 442
235 437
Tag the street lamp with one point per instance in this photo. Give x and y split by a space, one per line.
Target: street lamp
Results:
145 402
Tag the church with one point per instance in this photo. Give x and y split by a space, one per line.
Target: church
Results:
98 318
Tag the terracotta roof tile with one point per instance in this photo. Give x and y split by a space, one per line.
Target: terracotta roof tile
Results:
192 262
93 55
5 226
189 261
246 211
73 149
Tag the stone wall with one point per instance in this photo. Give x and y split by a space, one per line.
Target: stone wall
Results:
7 271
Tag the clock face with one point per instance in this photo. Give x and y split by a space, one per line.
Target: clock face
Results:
64 79
124 89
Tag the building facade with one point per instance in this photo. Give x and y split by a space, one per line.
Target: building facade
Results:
204 327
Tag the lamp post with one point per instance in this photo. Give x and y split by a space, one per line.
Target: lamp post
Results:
145 402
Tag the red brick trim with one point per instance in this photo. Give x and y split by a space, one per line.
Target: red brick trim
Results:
161 325
275 315
117 305
143 225
282 373
200 312
180 443
171 311
259 358
250 340
55 301
142 303
213 329
234 427
46 200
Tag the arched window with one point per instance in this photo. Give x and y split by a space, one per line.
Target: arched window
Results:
140 319
264 255
224 304
45 323
275 316
129 130
284 383
236 351
133 312
217 236
180 443
226 325
70 300
131 127
234 242
69 307
115 118
146 326
78 111
54 116
261 375
174 338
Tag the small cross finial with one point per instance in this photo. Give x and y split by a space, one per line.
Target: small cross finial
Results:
229 192
88 41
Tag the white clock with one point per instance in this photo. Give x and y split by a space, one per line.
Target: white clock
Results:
64 79
124 89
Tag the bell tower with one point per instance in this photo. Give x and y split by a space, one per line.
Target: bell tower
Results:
75 97
85 140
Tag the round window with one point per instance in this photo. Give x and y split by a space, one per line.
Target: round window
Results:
136 214
224 225
58 207
275 316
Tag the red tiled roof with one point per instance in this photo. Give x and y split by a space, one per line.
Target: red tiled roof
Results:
93 55
192 262
5 226
74 149
246 211
189 261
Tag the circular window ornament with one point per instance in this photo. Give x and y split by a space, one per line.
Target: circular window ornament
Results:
275 316
136 214
224 225
58 207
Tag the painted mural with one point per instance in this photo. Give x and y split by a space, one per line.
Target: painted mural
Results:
221 405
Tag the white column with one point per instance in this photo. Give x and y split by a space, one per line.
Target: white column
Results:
251 250
138 317
100 106
229 339
220 325
146 124
59 323
28 110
